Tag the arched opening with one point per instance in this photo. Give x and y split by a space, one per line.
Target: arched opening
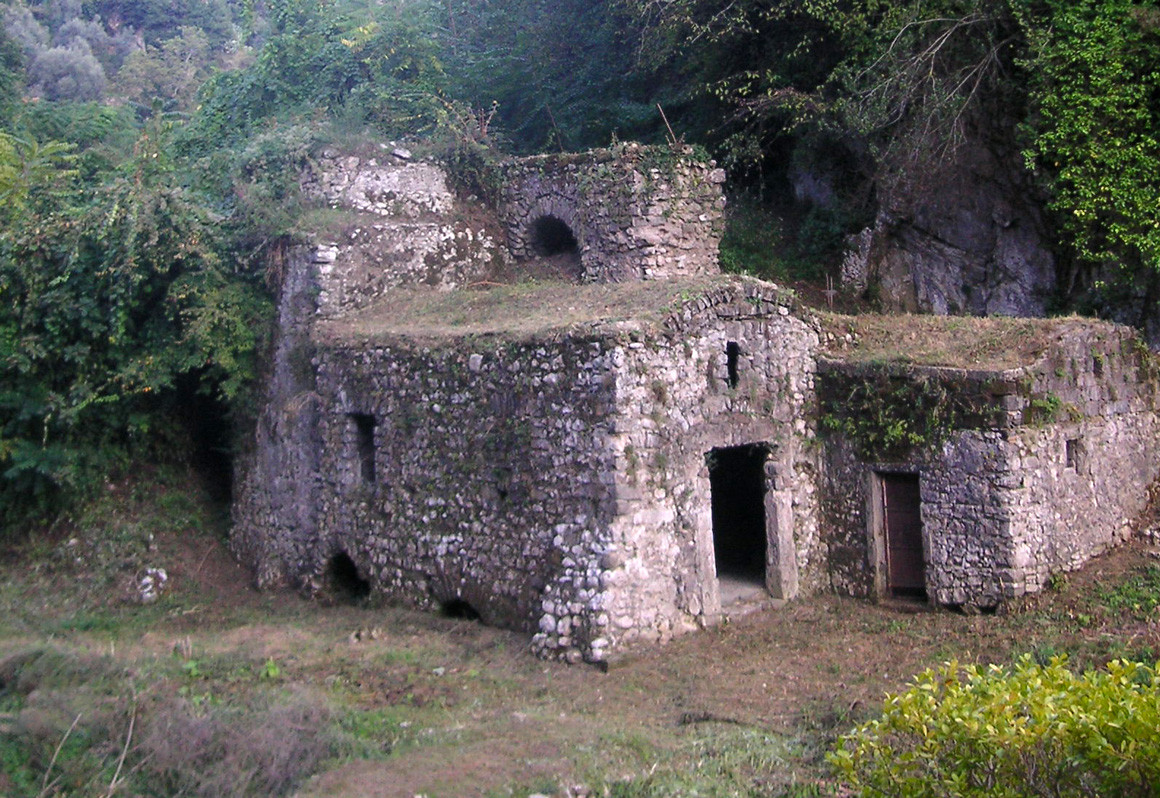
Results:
459 609
551 236
344 581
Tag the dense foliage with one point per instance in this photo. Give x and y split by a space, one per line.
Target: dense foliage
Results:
1029 730
108 294
1094 138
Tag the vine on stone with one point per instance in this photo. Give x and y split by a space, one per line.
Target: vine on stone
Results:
886 415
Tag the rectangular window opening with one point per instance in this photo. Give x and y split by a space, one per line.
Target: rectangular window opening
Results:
1073 453
364 431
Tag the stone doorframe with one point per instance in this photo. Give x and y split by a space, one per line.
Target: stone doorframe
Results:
876 525
781 571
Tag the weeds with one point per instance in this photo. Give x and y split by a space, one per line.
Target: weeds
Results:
719 760
1139 595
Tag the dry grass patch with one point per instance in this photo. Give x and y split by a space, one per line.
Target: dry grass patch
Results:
955 341
519 310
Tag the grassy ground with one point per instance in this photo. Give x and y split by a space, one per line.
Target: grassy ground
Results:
215 689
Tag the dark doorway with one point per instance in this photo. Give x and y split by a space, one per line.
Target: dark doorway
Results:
552 236
346 584
902 534
209 434
737 482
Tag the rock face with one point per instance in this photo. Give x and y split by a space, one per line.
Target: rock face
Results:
598 477
965 240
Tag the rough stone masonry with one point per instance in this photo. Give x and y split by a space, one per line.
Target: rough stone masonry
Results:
570 458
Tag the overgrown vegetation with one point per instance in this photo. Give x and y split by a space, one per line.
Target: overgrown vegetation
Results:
151 153
887 414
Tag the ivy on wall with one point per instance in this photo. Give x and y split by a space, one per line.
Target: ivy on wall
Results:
887 415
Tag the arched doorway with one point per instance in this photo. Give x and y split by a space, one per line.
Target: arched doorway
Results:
552 243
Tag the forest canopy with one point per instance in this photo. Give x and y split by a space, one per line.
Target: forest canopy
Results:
149 154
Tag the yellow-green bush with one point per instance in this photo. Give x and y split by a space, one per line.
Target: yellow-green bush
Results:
1001 732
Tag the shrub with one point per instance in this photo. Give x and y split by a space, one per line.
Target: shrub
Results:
1027 730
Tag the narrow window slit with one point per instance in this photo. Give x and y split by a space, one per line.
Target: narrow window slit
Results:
364 430
1073 454
732 353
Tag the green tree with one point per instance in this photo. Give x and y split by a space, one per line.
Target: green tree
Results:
171 72
561 72
11 75
1093 137
108 296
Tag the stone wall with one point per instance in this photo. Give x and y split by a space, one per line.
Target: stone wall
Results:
276 470
674 405
1082 478
1053 477
396 224
555 483
635 212
492 478
558 485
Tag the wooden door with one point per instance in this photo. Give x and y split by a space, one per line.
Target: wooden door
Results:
902 527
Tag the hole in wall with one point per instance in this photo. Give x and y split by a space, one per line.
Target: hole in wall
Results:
459 609
732 354
554 251
364 433
1073 454
737 484
551 235
344 581
503 482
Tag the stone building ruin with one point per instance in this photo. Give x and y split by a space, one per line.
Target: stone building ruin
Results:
613 458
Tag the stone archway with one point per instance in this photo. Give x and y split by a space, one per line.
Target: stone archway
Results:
551 235
553 244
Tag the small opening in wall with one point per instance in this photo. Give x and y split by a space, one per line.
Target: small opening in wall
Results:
1073 453
364 431
344 579
737 485
459 609
503 482
732 353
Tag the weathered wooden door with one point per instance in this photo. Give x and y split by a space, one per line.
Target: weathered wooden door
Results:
902 527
